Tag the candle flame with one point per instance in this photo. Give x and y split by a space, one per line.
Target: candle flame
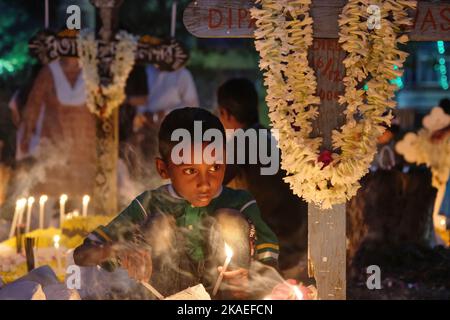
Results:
63 198
21 203
86 199
56 239
298 293
228 251
76 213
43 199
443 221
30 201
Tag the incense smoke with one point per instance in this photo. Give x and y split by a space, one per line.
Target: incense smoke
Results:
33 171
136 169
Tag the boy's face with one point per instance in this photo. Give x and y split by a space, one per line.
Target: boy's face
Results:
197 183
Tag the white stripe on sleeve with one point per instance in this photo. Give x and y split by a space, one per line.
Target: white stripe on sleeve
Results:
94 238
248 204
142 207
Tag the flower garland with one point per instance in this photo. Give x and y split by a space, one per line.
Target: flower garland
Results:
283 35
103 99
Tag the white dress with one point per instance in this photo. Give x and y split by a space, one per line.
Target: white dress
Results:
69 127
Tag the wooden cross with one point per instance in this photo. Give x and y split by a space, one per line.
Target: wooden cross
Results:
167 55
231 19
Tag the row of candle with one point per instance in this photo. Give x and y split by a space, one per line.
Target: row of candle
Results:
27 204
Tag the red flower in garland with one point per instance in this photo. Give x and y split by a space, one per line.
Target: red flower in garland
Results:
326 157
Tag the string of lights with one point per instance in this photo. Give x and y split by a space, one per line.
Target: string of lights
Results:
398 81
441 67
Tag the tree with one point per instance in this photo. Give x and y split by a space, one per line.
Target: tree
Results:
16 27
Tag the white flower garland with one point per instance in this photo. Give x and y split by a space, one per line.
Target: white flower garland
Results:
102 100
283 35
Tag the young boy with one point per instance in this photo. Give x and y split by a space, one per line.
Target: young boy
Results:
175 236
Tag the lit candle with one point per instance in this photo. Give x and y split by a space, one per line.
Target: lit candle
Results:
229 253
15 222
298 293
21 212
174 19
56 239
75 214
30 203
42 200
86 200
62 209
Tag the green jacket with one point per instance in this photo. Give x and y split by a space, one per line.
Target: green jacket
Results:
164 200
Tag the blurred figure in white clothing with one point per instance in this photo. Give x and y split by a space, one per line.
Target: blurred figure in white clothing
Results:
168 90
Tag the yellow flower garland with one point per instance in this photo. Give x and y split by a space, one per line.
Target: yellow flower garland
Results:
284 33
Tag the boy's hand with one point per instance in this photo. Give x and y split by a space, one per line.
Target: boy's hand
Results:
138 263
286 291
90 254
238 281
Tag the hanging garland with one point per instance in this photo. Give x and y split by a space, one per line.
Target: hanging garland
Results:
284 33
103 99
